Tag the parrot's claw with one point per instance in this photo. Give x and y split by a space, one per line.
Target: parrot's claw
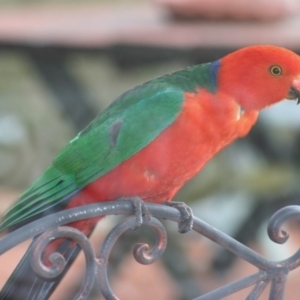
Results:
140 210
186 222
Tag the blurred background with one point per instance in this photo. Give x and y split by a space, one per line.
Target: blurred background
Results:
62 62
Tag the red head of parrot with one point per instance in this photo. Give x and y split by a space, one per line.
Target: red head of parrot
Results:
259 76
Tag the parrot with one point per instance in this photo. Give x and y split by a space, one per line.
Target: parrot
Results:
149 142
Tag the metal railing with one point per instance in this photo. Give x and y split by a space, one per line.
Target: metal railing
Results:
269 272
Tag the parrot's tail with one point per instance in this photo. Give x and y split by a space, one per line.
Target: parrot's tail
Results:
24 284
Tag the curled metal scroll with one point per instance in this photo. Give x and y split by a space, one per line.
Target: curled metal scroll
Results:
58 261
140 251
273 272
276 222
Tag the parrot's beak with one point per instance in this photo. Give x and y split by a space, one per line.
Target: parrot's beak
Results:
294 92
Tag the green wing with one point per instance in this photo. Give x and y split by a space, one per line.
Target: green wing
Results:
129 124
120 131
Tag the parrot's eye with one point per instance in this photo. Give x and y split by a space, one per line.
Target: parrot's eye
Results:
275 70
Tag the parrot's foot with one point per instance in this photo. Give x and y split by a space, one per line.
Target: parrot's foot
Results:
186 222
140 210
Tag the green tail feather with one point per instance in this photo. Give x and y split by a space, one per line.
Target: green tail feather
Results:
41 195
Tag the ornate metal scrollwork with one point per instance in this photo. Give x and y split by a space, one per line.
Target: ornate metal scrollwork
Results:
58 261
140 251
274 272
